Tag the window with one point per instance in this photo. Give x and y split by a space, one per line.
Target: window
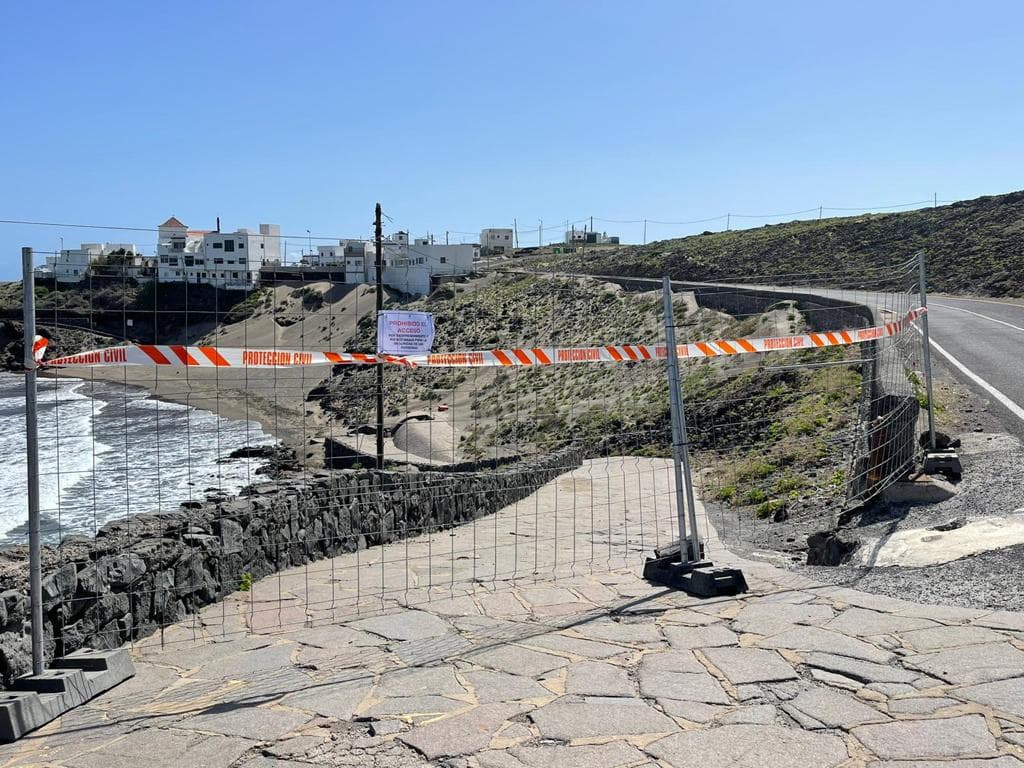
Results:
443 260
234 275
177 273
229 245
261 246
218 261
218 245
241 245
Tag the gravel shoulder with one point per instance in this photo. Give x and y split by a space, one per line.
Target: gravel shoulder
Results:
992 484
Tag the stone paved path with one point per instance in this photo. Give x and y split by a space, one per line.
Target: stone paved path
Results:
585 667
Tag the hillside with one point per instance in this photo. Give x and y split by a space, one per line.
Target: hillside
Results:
768 438
973 247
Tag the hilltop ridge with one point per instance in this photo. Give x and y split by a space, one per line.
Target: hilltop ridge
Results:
973 247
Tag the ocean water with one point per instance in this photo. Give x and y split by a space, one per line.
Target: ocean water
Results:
107 451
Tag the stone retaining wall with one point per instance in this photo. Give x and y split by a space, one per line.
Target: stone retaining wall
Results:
150 570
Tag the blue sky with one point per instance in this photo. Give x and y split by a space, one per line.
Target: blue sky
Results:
459 115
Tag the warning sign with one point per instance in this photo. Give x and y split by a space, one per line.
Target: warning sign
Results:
404 333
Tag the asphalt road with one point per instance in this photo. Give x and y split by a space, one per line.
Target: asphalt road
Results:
982 342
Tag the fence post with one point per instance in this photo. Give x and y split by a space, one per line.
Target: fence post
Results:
680 445
32 461
923 288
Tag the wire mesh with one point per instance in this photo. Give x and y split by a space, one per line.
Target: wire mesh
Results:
182 502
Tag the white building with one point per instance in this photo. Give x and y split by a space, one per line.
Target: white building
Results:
445 259
72 265
495 241
580 236
224 259
341 255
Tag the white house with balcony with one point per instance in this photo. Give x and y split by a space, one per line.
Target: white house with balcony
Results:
224 259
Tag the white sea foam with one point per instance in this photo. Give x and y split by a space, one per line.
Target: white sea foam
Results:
106 452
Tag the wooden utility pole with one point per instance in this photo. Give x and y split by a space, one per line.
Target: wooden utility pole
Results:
515 233
379 246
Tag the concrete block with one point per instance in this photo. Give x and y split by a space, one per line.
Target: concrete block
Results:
71 681
925 489
20 712
103 669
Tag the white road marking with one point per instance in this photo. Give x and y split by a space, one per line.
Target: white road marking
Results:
1015 409
978 314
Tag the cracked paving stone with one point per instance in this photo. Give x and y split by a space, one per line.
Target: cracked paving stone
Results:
265 761
1002 620
860 622
493 687
543 596
772 618
614 754
629 632
694 711
164 748
864 671
750 746
406 625
1004 695
419 681
759 714
570 718
245 666
414 706
516 660
973 664
678 675
750 665
920 706
251 722
593 678
589 649
338 697
461 734
430 649
838 681
826 641
683 638
966 736
833 709
943 638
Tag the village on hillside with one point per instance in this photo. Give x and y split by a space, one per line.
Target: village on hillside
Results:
242 259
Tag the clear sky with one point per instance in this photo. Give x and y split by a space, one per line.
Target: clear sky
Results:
460 115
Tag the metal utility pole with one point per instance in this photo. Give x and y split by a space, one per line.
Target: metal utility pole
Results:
379 261
515 234
728 221
819 212
680 443
923 288
32 461
645 231
540 233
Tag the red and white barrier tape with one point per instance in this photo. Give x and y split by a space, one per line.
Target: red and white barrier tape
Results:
219 357
39 345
